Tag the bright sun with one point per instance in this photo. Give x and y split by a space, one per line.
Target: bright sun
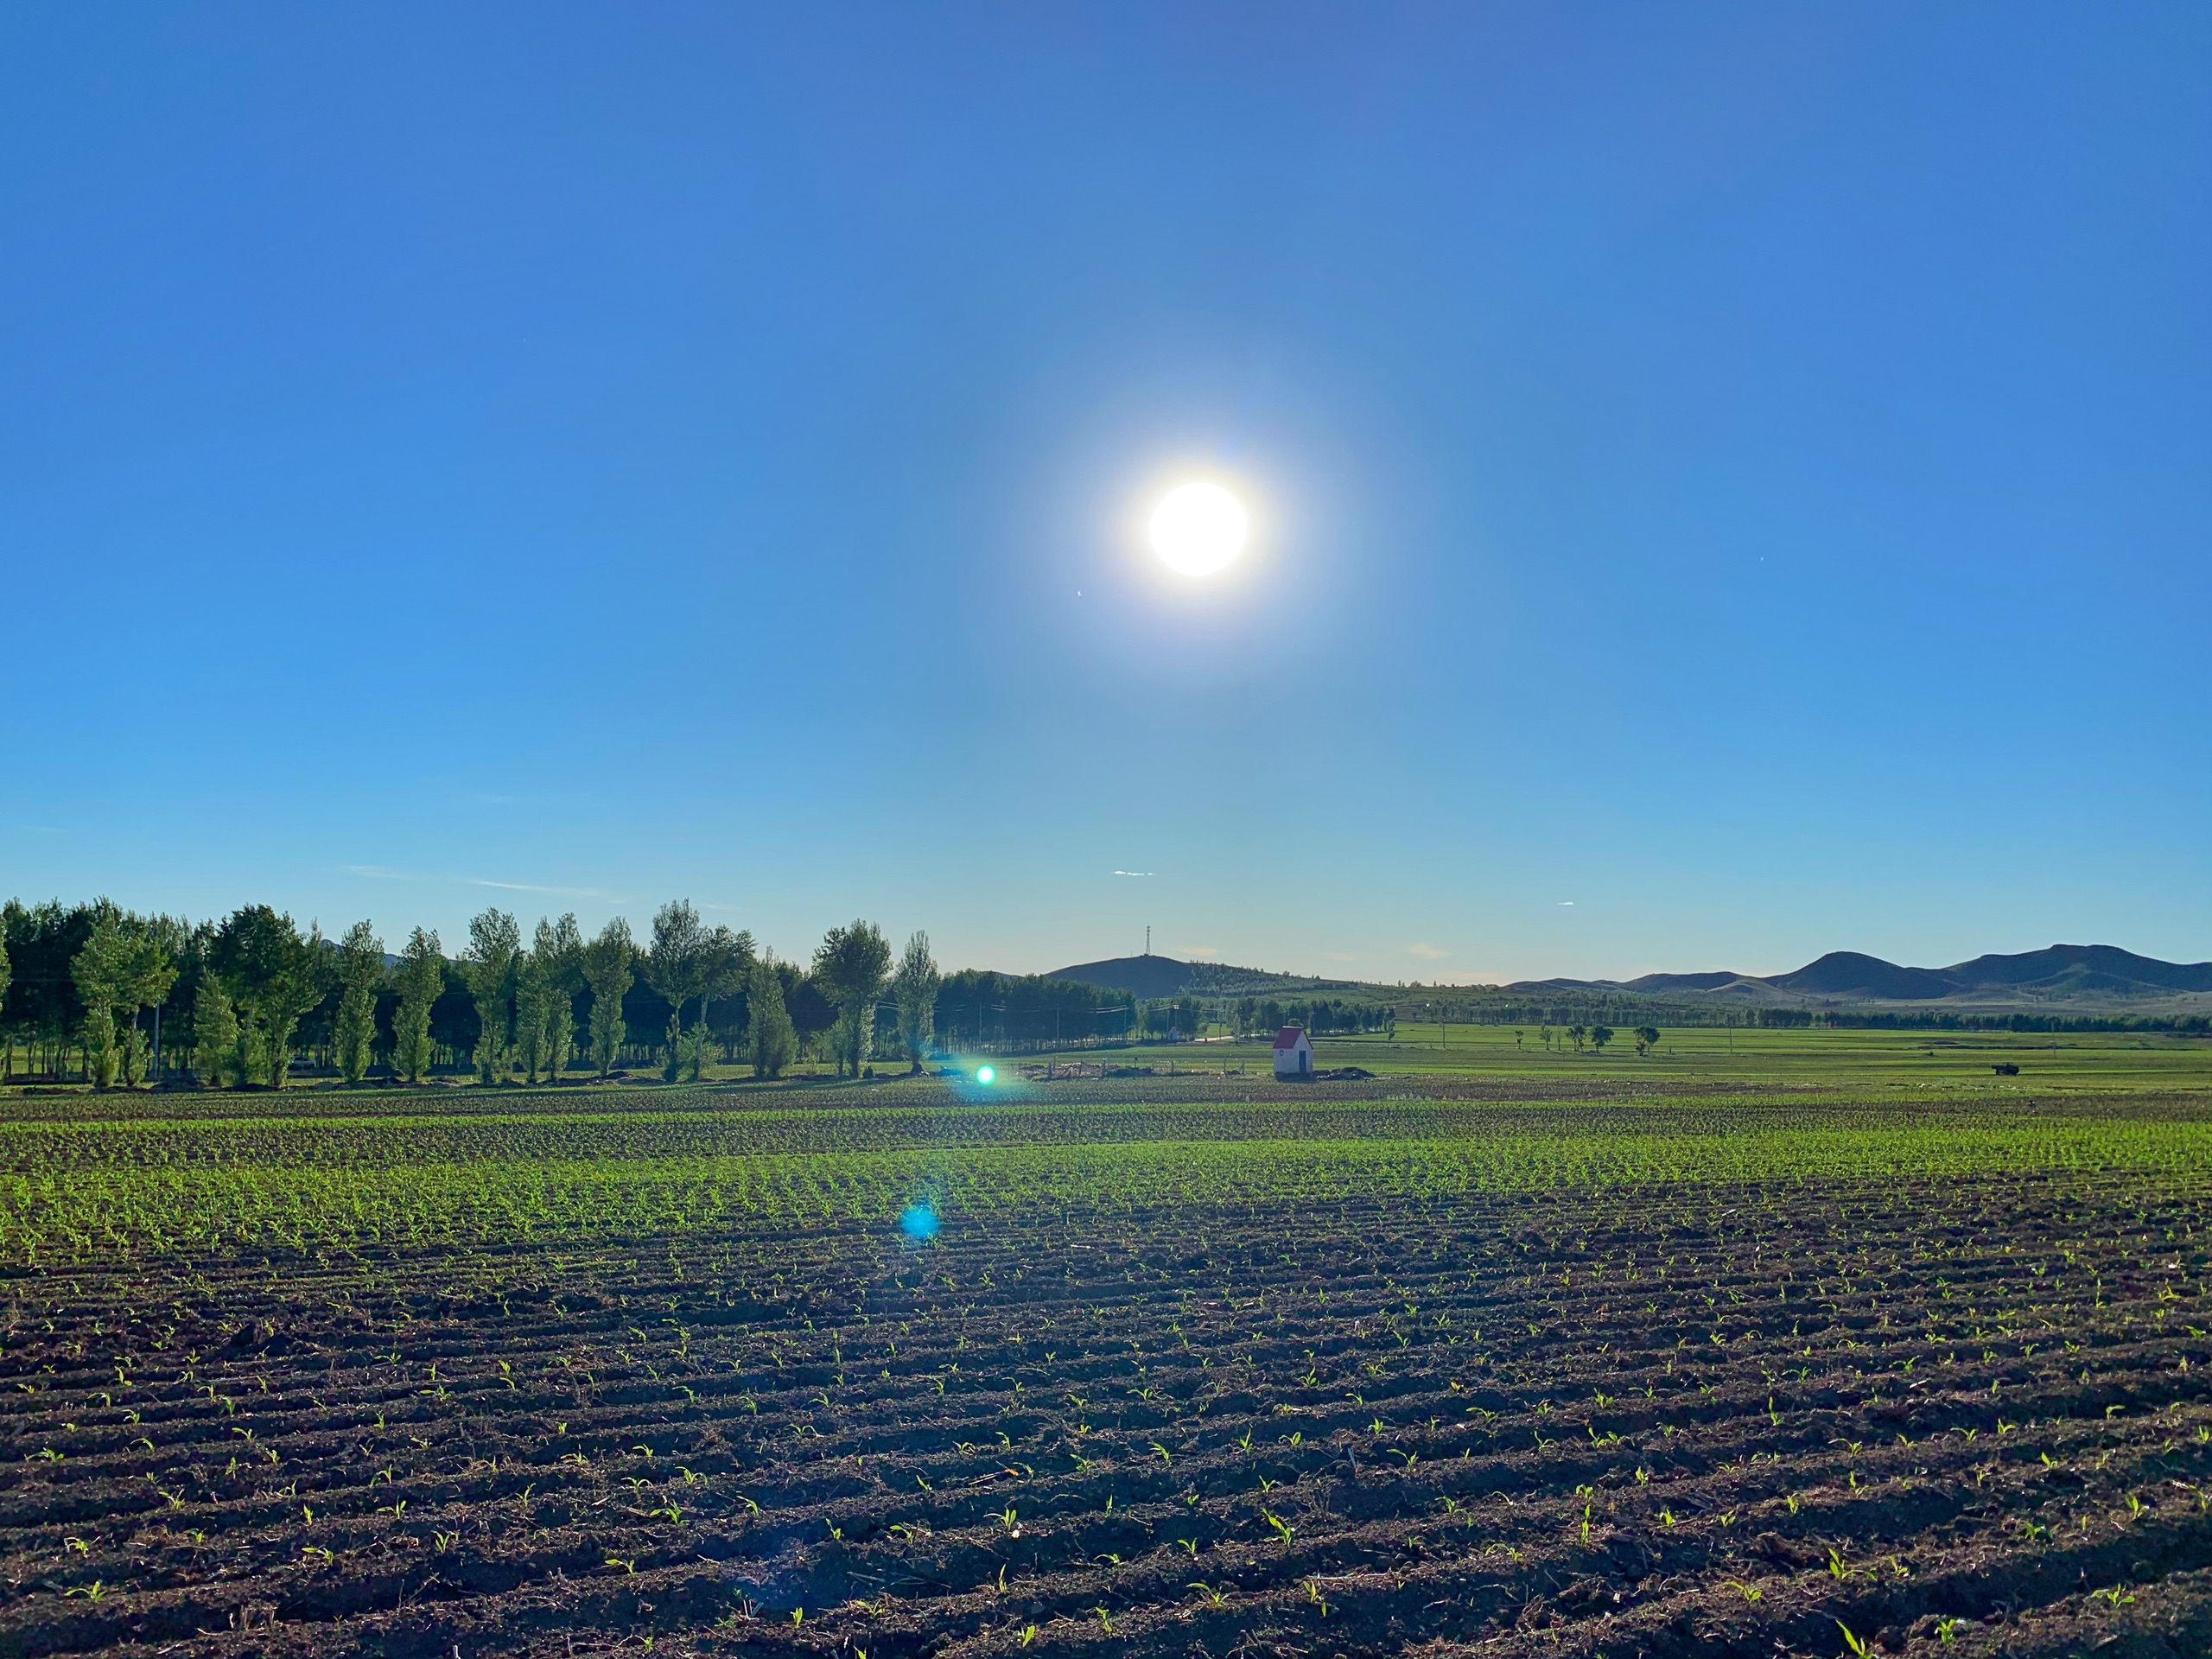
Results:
1198 528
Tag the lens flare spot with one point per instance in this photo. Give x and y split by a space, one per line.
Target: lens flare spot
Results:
920 1222
987 1074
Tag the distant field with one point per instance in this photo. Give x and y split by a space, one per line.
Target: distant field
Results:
1500 1352
1856 1058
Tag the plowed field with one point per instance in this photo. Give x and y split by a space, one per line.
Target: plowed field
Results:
1193 1373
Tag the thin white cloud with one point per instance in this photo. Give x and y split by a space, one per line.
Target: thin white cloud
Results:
1566 904
1421 948
1201 951
1132 872
532 887
386 873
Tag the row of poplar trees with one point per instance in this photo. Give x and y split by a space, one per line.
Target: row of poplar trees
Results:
260 974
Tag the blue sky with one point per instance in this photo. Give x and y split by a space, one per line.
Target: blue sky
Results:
1730 482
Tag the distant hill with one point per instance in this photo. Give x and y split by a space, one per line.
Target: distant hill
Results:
1682 981
2082 978
2090 974
1846 973
2060 971
1145 976
1161 976
2063 968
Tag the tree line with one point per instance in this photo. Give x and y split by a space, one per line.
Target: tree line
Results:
94 991
1256 1016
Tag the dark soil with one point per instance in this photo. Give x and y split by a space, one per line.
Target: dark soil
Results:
1968 1419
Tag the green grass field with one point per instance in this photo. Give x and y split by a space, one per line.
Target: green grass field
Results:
1842 1058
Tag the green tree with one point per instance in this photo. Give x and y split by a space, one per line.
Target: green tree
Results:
674 967
249 1059
275 976
150 968
43 1008
1647 1038
566 965
534 997
494 943
688 960
726 965
606 967
360 975
122 966
422 977
545 1013
851 965
1599 1036
812 1013
214 1034
775 1044
99 969
914 989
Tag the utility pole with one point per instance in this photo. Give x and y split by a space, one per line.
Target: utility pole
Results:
1148 938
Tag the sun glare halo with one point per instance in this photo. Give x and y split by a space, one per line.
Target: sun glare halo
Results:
1198 528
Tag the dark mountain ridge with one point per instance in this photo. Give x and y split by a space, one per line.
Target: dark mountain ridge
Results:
2095 975
2098 972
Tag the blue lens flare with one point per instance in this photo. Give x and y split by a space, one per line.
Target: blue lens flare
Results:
920 1222
986 1074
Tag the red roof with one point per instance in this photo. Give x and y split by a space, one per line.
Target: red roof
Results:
1290 1036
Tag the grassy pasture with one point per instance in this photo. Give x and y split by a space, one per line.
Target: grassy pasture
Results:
1856 1059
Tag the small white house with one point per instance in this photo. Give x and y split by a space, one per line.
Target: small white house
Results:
1294 1054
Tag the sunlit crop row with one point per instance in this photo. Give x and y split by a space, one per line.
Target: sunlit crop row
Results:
90 1187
